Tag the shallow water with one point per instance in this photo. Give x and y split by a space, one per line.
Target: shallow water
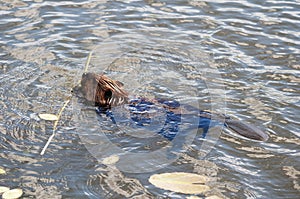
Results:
239 57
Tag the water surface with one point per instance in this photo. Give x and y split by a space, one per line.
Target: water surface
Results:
246 52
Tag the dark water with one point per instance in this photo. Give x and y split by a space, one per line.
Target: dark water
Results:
240 57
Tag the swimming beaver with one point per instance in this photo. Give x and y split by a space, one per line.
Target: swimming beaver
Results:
106 93
103 91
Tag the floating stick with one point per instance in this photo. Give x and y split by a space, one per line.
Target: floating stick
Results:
55 126
63 108
87 63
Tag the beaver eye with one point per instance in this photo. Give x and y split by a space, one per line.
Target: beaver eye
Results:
107 94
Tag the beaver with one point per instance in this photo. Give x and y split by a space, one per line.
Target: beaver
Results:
103 91
106 93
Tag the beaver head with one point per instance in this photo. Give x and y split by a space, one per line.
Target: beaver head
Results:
102 91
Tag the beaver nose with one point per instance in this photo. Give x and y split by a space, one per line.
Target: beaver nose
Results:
86 75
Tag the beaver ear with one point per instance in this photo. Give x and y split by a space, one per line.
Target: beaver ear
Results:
119 83
98 78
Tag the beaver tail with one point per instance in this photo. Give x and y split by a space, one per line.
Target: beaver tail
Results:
246 130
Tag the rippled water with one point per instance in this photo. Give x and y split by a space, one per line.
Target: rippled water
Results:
159 48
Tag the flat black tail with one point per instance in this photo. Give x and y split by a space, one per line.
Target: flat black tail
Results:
246 130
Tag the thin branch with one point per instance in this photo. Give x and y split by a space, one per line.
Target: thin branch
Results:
55 126
63 108
87 63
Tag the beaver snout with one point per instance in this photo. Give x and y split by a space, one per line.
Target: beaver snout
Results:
88 75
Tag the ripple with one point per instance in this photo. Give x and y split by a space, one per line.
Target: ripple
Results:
255 45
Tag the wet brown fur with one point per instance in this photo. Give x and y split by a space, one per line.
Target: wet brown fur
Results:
102 91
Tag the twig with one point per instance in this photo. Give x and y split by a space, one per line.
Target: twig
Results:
87 63
55 126
63 108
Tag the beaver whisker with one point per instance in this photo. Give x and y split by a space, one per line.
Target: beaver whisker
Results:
110 101
121 100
